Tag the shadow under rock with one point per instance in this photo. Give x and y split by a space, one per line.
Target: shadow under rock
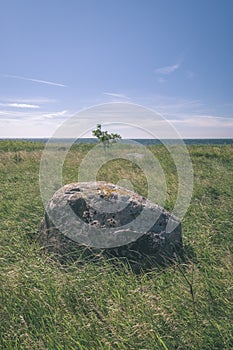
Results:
138 262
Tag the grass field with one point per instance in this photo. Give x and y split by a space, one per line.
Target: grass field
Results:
46 305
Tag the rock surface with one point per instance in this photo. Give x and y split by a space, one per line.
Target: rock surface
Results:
108 219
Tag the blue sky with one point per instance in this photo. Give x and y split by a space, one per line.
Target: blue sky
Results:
60 56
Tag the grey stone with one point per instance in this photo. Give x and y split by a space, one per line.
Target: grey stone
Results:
99 217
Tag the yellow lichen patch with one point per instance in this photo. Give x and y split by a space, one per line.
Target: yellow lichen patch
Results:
109 191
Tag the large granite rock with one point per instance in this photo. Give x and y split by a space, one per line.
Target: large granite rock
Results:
99 217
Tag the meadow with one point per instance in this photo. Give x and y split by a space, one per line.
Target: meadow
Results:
47 305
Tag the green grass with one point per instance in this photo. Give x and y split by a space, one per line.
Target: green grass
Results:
46 305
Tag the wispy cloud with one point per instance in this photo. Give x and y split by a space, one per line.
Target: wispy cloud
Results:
19 105
204 121
34 80
161 80
55 114
21 115
190 117
170 105
190 74
168 69
117 95
36 100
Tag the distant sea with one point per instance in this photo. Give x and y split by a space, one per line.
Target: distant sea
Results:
142 141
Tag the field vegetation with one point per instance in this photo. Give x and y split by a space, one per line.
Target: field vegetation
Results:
46 305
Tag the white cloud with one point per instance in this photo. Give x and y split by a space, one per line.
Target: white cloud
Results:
36 100
34 80
191 118
19 105
24 116
55 114
168 69
16 114
204 121
25 123
117 95
190 74
161 80
170 105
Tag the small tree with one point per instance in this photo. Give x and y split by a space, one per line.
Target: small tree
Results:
104 136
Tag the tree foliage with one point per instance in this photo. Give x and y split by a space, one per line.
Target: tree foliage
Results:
105 137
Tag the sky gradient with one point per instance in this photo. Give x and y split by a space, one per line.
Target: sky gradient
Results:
59 57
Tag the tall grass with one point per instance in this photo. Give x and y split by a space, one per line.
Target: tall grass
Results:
46 305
